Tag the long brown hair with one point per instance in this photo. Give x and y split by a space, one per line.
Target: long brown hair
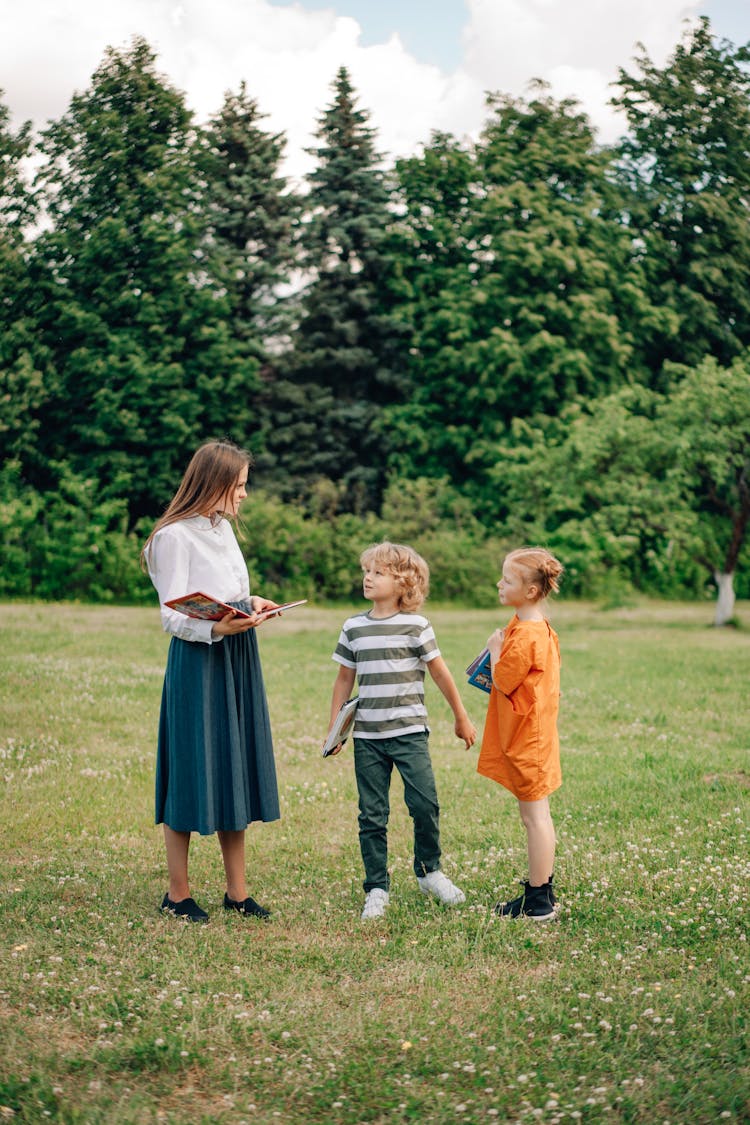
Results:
212 472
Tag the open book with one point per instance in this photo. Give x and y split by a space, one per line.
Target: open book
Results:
342 725
211 609
480 671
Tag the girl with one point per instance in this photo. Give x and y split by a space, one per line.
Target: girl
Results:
520 747
215 768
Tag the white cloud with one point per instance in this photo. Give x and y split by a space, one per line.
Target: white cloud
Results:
574 45
288 57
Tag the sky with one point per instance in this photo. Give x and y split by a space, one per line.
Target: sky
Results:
417 65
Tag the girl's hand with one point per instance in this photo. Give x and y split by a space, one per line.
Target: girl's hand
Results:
495 643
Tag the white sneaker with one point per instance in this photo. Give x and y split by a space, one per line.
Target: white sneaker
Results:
375 903
440 887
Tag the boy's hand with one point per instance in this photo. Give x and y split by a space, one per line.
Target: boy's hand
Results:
466 730
342 689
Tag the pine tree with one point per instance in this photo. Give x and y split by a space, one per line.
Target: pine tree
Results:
248 213
144 365
346 360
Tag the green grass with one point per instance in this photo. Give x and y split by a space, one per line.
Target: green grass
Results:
632 1007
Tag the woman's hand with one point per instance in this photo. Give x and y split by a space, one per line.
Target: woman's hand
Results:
232 623
262 605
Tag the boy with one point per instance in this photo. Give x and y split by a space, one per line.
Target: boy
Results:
388 649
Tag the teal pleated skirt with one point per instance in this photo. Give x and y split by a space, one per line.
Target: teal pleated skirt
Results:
215 767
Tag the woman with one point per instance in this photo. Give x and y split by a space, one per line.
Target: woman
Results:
215 768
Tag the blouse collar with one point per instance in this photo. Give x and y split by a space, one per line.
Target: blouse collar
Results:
205 523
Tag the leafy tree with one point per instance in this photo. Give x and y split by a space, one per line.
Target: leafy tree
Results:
706 417
144 365
21 376
434 253
346 356
541 303
647 489
595 484
686 168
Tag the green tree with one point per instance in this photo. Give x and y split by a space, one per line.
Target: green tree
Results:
345 362
640 488
21 360
685 166
541 302
144 364
707 419
595 485
433 252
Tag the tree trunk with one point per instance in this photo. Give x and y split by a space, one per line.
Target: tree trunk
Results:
725 601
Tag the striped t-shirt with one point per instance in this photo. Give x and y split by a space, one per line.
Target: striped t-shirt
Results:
390 655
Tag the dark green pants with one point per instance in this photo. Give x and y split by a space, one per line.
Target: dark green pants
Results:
374 759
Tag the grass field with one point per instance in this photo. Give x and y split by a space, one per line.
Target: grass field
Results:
632 1007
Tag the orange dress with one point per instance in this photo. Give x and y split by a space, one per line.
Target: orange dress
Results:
520 744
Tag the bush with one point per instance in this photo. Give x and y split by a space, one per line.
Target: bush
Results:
66 544
293 554
20 508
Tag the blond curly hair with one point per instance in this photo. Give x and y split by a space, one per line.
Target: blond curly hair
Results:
410 570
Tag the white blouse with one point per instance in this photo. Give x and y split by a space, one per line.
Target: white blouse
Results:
191 555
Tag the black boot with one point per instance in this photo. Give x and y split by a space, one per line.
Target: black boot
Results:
537 903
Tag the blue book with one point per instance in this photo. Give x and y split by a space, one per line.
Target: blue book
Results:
480 671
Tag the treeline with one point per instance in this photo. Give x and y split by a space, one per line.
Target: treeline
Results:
530 336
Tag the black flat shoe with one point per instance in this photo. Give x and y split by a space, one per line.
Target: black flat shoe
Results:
188 909
249 906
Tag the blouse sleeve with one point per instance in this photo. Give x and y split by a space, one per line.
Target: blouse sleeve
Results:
169 567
